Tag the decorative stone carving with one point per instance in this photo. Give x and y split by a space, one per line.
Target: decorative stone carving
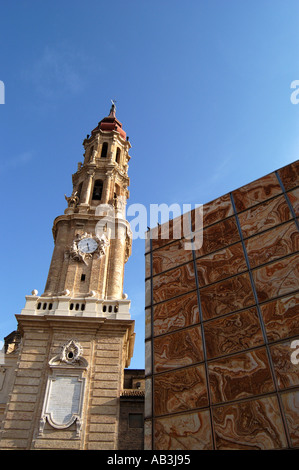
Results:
71 352
63 402
64 292
92 293
73 200
103 244
78 254
65 389
119 203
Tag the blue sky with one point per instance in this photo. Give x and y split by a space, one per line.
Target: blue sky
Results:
202 89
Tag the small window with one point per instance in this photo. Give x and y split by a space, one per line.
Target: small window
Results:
97 190
135 420
104 150
82 277
117 158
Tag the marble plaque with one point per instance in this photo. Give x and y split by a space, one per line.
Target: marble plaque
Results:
64 399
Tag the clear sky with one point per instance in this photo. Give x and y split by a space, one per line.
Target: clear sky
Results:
202 89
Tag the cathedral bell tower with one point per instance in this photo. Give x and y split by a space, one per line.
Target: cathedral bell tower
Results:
92 238
77 336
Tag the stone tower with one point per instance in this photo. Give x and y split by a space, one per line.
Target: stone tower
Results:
76 338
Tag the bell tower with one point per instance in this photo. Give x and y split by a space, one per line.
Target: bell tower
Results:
92 238
77 336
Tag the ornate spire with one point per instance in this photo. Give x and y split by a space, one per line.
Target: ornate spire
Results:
113 109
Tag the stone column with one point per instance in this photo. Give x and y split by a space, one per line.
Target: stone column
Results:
87 187
107 188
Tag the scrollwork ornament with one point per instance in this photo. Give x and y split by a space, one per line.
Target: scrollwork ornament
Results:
71 352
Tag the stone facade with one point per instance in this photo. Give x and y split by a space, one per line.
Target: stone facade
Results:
131 419
62 385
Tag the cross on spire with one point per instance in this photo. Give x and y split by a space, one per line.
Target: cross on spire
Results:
113 108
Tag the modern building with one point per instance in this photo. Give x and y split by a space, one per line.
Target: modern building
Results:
63 384
222 321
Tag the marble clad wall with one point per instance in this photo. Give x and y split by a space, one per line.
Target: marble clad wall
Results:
220 321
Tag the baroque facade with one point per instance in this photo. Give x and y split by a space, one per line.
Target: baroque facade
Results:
63 384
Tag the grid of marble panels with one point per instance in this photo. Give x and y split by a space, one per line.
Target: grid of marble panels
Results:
220 321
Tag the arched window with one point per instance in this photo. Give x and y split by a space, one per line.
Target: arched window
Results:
97 190
104 150
117 158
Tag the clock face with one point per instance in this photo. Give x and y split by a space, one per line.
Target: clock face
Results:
87 245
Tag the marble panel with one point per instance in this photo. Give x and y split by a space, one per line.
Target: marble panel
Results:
175 314
190 431
180 390
215 210
273 244
173 229
256 192
170 256
289 175
221 264
218 236
233 333
240 376
249 425
226 296
277 279
287 373
281 317
290 402
264 216
148 323
179 349
294 199
176 282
